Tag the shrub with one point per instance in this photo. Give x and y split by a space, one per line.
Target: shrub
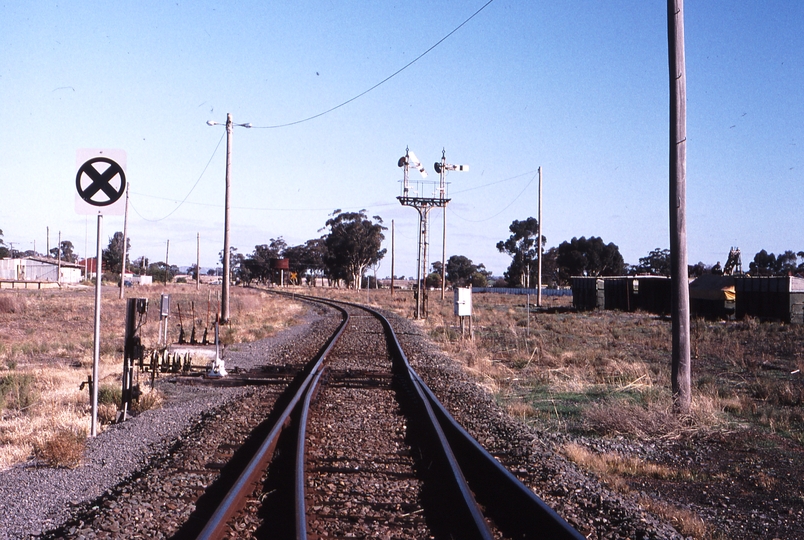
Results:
17 391
110 395
107 413
63 449
7 304
148 400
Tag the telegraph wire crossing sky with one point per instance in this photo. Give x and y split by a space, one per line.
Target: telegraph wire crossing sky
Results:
580 90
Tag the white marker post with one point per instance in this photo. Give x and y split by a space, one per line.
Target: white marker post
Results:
100 182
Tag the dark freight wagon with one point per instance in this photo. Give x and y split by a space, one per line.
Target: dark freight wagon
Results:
771 298
624 293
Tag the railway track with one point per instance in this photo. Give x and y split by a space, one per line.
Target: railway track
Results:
375 455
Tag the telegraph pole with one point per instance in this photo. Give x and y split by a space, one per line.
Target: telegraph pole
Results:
680 377
197 261
125 239
226 227
539 242
58 264
167 264
392 257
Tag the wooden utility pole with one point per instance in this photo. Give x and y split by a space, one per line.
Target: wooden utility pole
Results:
167 265
539 243
125 238
197 261
58 256
678 212
392 257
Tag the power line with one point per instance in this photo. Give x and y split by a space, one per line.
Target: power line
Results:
494 183
189 192
388 78
265 208
501 211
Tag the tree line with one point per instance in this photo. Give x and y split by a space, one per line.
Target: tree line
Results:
352 245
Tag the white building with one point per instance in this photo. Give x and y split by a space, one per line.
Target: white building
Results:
39 269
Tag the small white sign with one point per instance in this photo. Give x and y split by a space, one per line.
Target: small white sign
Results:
100 182
463 301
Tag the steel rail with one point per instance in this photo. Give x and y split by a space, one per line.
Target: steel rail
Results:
465 517
472 473
301 506
216 525
514 507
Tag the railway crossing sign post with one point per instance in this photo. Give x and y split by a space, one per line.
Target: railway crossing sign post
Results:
100 181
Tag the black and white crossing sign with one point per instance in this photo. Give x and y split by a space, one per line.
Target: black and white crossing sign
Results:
100 182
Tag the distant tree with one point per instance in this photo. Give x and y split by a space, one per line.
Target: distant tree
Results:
524 251
768 264
786 263
764 264
211 272
353 244
550 274
162 272
66 252
591 257
433 280
461 272
193 271
140 265
657 263
306 261
699 269
4 253
112 256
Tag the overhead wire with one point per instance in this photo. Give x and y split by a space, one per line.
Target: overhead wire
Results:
200 176
397 72
501 211
385 80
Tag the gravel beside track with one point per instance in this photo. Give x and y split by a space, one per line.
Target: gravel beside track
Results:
36 499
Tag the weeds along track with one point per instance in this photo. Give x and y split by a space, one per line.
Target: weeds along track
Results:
348 442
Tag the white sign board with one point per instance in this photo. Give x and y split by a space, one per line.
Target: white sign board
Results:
100 182
463 301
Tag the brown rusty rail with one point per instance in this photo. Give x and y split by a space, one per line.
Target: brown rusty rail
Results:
461 471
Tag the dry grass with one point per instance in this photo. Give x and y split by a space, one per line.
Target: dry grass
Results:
611 465
608 372
149 400
685 521
46 349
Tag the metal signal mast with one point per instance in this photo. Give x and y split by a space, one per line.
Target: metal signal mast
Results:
441 167
423 205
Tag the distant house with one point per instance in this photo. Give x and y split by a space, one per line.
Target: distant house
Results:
39 269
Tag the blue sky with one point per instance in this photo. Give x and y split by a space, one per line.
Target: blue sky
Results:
579 88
